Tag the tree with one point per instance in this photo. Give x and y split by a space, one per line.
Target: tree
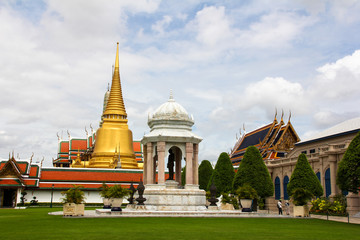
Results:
304 177
348 173
223 174
183 176
253 171
205 172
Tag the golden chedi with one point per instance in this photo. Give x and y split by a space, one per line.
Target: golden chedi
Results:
114 142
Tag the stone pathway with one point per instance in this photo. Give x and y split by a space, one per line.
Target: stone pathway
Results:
106 213
354 220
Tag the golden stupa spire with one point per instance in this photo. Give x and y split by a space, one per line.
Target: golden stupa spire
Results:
115 104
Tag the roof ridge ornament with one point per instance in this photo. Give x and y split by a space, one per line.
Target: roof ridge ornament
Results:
289 116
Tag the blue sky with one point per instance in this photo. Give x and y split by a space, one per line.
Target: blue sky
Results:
229 63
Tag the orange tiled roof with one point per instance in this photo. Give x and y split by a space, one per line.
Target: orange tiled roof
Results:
10 182
83 175
78 144
64 146
83 185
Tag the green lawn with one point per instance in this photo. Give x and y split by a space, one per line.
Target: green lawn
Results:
35 223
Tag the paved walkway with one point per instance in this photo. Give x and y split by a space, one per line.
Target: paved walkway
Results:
102 213
355 220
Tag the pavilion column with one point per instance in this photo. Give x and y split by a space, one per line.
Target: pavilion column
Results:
189 164
154 160
145 166
149 164
178 166
161 162
332 160
196 164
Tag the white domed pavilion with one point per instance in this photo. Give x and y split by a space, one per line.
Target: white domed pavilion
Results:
170 140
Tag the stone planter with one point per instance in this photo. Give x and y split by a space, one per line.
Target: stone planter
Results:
301 211
107 203
72 209
246 205
116 204
227 206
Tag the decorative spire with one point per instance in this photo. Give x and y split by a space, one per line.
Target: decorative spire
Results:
171 98
115 105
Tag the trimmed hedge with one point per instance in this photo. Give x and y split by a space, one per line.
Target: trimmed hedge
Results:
205 172
304 177
223 174
253 171
183 176
348 173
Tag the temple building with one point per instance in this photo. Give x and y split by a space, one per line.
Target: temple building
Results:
72 148
110 155
273 140
281 147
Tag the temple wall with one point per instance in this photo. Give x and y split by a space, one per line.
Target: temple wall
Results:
45 196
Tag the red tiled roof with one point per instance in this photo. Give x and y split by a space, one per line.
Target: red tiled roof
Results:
137 146
34 171
31 182
22 166
89 175
83 185
78 144
10 182
64 146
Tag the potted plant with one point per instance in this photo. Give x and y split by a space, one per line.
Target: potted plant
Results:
246 194
117 193
104 193
73 202
301 197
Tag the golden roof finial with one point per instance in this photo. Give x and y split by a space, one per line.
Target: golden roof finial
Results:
115 105
289 116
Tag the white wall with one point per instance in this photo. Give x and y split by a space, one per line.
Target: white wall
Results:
45 196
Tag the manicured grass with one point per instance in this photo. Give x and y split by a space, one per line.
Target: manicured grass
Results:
35 223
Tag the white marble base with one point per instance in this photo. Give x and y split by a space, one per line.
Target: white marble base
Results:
174 199
213 208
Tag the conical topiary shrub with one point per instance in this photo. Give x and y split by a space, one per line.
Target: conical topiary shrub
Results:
223 174
253 171
205 172
304 177
348 173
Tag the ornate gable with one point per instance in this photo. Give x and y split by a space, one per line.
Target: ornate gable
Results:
11 171
287 140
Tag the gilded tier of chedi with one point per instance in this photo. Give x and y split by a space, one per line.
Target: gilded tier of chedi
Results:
114 142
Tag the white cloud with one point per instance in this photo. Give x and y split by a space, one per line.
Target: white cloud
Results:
346 11
274 30
274 92
212 26
217 58
339 80
160 25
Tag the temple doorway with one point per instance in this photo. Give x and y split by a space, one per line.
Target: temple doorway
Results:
8 198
